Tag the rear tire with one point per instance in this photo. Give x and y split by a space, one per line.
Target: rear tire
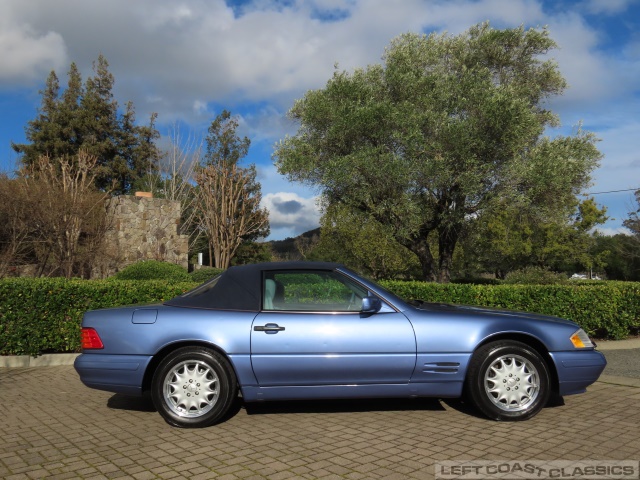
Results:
508 381
193 387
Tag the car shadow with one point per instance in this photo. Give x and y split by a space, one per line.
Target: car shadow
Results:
145 404
342 406
462 406
135 404
554 401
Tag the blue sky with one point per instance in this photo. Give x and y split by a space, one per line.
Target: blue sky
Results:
187 60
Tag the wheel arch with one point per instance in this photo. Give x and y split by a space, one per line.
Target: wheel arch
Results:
172 347
532 342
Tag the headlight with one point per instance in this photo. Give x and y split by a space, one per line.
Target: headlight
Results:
580 339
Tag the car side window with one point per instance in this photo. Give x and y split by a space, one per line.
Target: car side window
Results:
312 291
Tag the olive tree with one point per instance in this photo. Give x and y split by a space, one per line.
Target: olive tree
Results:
445 128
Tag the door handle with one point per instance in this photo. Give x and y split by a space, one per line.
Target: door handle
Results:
269 327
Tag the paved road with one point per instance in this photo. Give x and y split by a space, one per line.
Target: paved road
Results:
624 363
54 427
623 357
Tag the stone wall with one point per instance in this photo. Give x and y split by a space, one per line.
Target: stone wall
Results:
143 229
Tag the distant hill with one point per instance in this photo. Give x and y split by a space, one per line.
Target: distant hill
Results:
288 249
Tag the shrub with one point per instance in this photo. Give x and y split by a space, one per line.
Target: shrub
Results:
44 314
154 270
477 281
205 273
609 310
535 276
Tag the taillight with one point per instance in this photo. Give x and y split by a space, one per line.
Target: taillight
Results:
90 339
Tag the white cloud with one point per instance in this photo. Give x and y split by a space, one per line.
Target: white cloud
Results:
180 53
272 182
266 124
28 55
289 212
606 7
200 107
188 59
200 50
592 76
610 232
620 167
174 15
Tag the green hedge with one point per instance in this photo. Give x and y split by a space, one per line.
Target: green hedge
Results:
154 270
205 273
43 315
610 309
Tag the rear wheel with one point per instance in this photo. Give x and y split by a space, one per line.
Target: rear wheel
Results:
508 380
193 387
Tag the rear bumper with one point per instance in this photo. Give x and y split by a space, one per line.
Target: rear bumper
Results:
113 373
577 370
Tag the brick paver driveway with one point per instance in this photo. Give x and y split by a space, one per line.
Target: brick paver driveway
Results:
54 427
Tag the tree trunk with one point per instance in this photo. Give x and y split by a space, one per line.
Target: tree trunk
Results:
447 240
427 263
428 269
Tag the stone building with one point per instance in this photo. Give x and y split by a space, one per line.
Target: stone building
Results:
143 228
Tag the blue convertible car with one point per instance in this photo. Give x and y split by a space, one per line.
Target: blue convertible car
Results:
304 330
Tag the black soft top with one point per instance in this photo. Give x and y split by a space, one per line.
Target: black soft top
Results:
240 288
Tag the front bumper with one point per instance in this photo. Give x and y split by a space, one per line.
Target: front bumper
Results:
113 373
577 370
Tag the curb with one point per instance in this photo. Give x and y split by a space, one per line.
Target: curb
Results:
622 381
626 344
47 360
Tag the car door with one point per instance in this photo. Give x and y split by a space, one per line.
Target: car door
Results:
311 332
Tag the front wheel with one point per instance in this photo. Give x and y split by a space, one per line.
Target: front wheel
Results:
193 387
508 380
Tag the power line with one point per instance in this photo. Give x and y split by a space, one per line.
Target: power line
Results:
613 191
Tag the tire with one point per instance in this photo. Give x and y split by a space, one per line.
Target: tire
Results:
193 387
508 381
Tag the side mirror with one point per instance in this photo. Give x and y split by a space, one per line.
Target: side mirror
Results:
371 305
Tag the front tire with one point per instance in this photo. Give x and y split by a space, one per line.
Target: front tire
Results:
508 381
193 387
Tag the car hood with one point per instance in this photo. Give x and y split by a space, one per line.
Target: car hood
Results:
480 312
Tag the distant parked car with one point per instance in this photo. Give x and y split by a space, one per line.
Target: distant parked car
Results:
303 330
582 276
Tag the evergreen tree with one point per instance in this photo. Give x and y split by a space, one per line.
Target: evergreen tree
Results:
69 118
85 117
145 155
43 131
99 114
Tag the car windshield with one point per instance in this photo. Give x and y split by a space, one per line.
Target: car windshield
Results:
375 287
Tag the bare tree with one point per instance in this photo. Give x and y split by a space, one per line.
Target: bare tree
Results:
175 177
68 220
227 196
228 199
15 226
175 171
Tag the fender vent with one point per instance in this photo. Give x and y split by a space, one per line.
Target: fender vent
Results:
441 367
